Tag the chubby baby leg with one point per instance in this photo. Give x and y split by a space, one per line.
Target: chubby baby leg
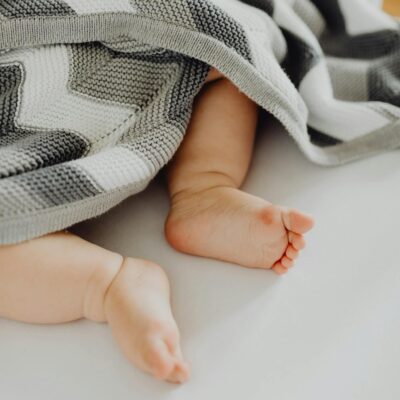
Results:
209 215
61 277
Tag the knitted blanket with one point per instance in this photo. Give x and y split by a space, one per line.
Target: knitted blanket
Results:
96 95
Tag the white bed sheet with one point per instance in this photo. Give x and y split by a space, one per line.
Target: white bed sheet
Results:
328 330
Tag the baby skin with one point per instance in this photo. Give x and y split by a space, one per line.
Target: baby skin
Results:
61 277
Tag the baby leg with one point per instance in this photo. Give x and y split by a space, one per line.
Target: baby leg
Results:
209 215
61 277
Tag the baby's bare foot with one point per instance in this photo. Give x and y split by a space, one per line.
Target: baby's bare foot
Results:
227 224
138 309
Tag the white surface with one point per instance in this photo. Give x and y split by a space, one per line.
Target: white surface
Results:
362 18
328 330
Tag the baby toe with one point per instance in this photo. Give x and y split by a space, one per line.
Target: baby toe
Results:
287 262
279 269
159 359
297 221
297 241
180 373
292 253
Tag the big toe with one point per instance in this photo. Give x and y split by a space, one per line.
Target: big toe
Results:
166 364
297 221
180 373
159 360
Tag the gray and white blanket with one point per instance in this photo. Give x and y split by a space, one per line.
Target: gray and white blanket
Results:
96 95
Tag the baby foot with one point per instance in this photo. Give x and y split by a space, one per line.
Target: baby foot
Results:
137 308
227 224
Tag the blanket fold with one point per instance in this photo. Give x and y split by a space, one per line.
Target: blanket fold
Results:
96 96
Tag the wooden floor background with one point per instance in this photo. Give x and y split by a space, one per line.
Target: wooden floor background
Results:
393 7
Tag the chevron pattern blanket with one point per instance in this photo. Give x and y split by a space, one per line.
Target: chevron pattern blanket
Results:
96 95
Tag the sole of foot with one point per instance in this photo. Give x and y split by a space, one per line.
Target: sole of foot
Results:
227 224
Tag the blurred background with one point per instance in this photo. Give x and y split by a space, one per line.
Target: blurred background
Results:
393 7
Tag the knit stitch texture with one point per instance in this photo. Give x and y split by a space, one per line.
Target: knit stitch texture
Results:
96 95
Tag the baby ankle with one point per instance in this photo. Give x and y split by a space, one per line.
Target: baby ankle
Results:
200 182
98 285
